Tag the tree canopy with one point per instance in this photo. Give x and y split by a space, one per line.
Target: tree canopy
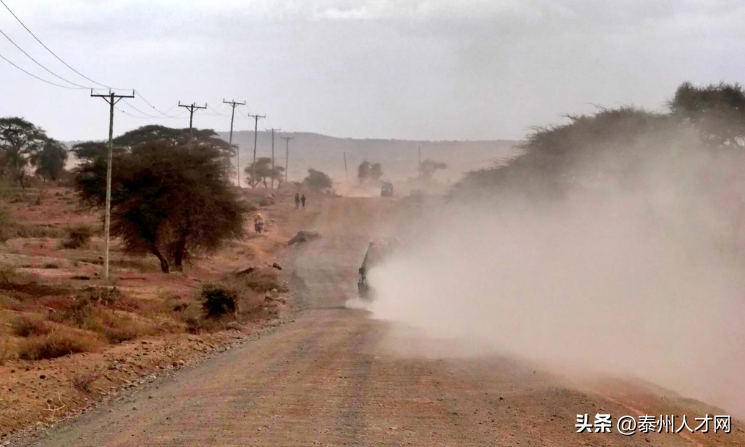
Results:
262 172
367 172
170 199
428 168
618 145
318 181
50 161
717 111
21 142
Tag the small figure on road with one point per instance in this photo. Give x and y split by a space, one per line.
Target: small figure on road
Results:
259 223
302 199
297 200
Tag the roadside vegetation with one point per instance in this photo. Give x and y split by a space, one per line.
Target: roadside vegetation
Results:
172 200
621 146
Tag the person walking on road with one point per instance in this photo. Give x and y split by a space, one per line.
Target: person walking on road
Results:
302 199
297 200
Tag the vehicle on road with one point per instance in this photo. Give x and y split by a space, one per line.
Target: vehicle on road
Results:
377 251
386 190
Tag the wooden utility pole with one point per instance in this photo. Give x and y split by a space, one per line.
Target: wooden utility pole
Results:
273 130
234 104
287 156
420 160
346 173
191 108
256 135
111 98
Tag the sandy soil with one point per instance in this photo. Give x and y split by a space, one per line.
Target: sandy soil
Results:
331 378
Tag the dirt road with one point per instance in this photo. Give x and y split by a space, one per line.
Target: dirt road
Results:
331 379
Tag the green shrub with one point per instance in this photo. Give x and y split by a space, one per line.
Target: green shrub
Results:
77 237
219 300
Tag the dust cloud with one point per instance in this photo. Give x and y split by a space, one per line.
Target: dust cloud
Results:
640 282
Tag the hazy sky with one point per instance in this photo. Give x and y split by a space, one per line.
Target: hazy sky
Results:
414 69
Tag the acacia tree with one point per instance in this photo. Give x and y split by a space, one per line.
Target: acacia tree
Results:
428 168
168 199
318 181
261 172
50 161
717 110
369 172
20 143
154 132
363 171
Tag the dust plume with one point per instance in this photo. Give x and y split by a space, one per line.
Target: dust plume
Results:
636 281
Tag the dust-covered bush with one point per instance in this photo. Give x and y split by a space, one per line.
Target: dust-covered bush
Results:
218 300
77 238
264 281
56 344
26 326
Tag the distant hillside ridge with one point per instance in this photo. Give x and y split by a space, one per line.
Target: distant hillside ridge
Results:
399 158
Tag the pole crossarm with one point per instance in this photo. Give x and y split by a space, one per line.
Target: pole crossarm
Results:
193 107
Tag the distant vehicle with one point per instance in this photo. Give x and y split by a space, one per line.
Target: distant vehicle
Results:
376 251
386 190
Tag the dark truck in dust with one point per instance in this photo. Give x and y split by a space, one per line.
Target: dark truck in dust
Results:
377 251
386 190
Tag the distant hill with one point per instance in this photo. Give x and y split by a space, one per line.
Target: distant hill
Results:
399 158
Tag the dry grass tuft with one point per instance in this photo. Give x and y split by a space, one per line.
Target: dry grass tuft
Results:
78 237
57 343
29 325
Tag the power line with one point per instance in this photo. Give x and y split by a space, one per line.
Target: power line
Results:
138 110
78 86
153 107
52 52
34 76
216 113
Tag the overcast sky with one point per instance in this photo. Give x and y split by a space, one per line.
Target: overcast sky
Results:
413 69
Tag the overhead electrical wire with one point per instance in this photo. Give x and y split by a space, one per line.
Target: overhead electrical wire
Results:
75 86
78 86
34 76
52 52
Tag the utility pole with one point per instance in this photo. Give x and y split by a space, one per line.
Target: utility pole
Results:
420 160
111 98
273 130
287 155
346 173
256 135
191 108
234 104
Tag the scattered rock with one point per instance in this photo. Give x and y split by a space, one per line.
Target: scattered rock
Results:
233 325
303 236
247 271
277 266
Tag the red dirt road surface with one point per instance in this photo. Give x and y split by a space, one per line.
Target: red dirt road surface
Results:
330 378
